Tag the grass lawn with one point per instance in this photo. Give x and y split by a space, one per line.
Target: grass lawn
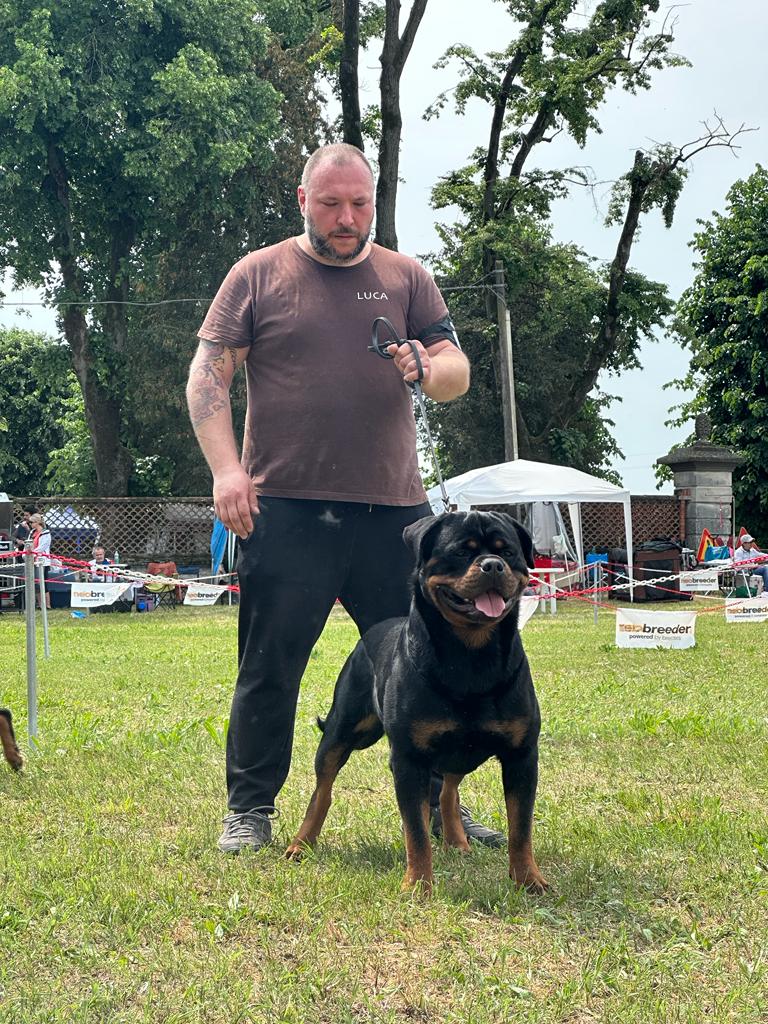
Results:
651 826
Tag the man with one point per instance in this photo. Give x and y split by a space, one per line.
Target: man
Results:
747 552
23 529
96 565
329 476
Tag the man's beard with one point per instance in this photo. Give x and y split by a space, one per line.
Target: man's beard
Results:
323 244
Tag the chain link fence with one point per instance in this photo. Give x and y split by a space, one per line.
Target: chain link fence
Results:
141 530
179 529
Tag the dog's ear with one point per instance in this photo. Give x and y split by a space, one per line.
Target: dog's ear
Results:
526 542
417 535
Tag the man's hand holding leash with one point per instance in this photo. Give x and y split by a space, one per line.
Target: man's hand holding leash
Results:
405 361
444 368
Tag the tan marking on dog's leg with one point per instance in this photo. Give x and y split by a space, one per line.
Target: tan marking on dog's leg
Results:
453 831
522 866
367 723
318 808
11 751
418 852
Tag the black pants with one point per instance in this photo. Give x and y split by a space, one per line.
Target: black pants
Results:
301 556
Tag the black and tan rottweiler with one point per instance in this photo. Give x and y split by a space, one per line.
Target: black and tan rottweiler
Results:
8 740
449 685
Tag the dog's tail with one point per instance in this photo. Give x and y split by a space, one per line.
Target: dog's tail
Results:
320 723
8 741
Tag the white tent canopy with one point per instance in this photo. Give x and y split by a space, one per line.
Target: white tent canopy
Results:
521 482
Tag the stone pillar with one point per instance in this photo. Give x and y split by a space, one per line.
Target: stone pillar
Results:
703 475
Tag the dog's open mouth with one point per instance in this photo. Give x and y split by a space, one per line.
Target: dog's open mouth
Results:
490 605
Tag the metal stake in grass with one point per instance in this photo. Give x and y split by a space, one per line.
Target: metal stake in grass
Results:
598 581
44 611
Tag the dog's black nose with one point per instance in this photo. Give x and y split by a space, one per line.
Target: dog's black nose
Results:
492 565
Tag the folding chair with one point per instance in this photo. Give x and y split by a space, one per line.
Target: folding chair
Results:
166 595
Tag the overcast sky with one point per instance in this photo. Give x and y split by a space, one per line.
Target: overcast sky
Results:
727 44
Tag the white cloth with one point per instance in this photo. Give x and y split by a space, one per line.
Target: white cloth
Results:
41 545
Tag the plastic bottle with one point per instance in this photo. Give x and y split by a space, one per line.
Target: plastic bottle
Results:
117 556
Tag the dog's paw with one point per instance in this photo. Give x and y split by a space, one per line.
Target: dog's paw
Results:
421 888
297 851
530 878
461 844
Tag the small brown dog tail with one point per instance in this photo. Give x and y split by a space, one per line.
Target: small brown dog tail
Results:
8 741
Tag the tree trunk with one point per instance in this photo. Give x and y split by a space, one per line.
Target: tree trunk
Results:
571 400
641 178
531 43
393 57
348 80
102 405
102 410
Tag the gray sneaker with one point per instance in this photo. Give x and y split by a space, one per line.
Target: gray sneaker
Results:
247 829
475 832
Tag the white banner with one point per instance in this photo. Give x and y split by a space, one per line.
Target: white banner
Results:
203 593
746 609
93 595
701 579
655 629
528 606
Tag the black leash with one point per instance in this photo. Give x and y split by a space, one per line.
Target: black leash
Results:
380 348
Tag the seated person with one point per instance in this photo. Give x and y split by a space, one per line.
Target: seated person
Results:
747 552
96 572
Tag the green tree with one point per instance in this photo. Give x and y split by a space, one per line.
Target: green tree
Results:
570 319
36 383
556 297
723 319
118 123
257 210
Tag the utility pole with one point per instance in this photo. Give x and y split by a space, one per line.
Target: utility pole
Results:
507 366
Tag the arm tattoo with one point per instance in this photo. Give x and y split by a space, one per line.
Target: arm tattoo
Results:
208 388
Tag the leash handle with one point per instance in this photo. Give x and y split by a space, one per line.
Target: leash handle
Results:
379 348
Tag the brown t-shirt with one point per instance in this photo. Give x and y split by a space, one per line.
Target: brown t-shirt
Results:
327 419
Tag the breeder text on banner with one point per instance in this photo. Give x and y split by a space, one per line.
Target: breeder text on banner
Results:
93 595
700 580
203 593
655 629
748 609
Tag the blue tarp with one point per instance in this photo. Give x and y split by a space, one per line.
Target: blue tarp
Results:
218 545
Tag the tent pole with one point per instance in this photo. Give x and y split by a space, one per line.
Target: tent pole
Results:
630 550
230 560
598 587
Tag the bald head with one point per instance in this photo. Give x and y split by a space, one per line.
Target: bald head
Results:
340 154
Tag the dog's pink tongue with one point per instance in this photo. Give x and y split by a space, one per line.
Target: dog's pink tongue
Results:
490 603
